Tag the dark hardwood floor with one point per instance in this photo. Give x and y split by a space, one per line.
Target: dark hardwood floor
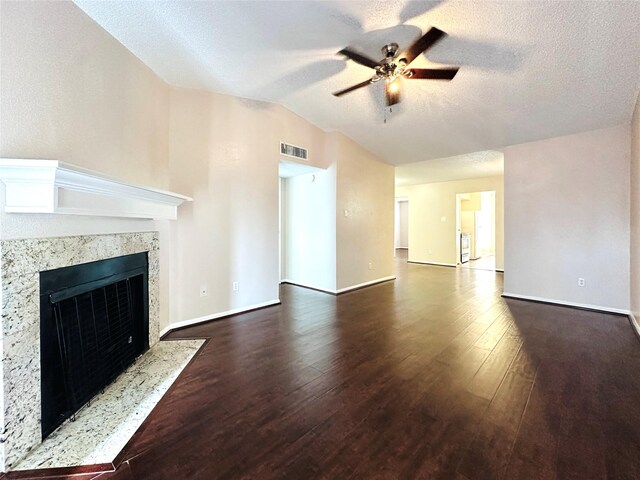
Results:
431 376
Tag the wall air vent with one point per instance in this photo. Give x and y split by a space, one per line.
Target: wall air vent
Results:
293 151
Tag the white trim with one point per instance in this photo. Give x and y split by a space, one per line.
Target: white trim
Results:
634 323
166 330
341 290
433 263
51 186
567 304
213 316
365 284
307 285
501 270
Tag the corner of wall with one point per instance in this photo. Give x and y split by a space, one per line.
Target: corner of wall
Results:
364 215
634 244
568 218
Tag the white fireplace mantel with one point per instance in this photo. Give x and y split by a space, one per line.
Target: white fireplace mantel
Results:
51 186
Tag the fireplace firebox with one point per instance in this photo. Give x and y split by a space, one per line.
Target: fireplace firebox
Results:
94 322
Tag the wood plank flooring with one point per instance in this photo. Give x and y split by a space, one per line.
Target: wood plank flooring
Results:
433 376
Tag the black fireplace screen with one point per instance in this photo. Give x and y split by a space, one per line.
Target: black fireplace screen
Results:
94 324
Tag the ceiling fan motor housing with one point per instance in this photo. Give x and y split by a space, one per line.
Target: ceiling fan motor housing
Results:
390 50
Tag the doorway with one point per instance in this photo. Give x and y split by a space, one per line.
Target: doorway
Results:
304 206
401 230
476 230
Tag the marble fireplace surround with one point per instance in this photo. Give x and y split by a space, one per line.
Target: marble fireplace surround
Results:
20 264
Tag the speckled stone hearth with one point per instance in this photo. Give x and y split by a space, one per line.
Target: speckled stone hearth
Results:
20 264
102 429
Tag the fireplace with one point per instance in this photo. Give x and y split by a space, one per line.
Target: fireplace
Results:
23 378
94 322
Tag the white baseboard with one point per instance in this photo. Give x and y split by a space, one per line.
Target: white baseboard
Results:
165 330
308 285
213 316
365 284
634 323
341 290
501 270
433 263
567 304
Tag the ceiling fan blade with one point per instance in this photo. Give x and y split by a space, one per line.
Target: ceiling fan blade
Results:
431 74
422 44
351 89
358 58
392 91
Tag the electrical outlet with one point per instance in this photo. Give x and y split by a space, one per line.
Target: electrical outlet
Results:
204 291
443 219
429 252
370 266
346 213
236 287
581 282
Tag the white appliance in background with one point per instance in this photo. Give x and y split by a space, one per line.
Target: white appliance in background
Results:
465 247
470 222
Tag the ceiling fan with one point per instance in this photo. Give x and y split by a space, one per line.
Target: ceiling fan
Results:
394 66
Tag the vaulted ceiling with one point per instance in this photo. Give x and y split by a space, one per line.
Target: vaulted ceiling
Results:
529 69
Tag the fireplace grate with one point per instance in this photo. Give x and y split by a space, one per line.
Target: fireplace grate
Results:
94 322
95 337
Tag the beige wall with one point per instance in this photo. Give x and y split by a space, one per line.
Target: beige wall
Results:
432 240
488 202
79 95
224 153
567 216
71 92
635 212
471 202
325 248
364 235
401 224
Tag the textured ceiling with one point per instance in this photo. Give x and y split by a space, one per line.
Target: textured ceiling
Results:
471 165
529 69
